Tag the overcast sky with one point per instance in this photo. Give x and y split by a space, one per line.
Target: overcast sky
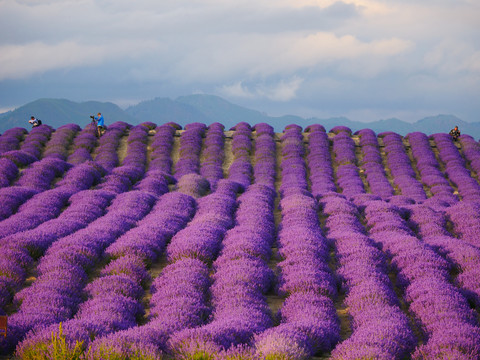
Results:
363 59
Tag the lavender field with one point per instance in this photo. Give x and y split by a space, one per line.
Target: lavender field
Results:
162 242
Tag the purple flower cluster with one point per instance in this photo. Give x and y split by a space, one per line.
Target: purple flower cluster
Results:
431 225
11 138
430 173
450 325
372 165
22 248
265 155
114 301
241 170
83 145
308 320
240 280
348 178
380 329
190 148
35 141
41 174
320 162
213 155
471 151
62 138
465 217
8 172
56 293
455 167
160 157
106 152
400 167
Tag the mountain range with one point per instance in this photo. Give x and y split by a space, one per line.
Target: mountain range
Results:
208 109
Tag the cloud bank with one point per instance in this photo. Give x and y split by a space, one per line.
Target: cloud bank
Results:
366 59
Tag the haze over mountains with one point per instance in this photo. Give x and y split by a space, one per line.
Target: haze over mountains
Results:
208 109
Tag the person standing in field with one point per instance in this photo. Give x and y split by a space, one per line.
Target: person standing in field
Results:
100 123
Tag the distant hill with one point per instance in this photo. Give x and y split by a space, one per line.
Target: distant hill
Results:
57 112
208 109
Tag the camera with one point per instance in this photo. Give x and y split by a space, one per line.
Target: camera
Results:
92 117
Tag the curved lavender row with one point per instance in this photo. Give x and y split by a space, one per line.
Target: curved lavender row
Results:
38 209
241 170
320 162
115 296
430 173
265 150
308 320
20 249
348 178
465 217
241 269
401 169
455 167
241 279
211 167
31 149
372 164
471 151
162 144
179 293
446 318
190 148
11 138
55 295
60 141
432 227
8 172
294 173
83 145
106 152
380 328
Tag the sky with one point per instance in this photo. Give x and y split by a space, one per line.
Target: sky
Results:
363 59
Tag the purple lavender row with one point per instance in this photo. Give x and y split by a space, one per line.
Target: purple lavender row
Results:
431 225
372 165
11 138
60 142
83 145
241 272
265 150
308 320
8 172
161 158
63 271
449 324
401 168
132 170
31 148
106 152
294 173
179 293
21 249
190 148
240 281
348 178
320 162
455 168
380 329
471 151
465 217
38 210
429 170
114 298
213 155
241 170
